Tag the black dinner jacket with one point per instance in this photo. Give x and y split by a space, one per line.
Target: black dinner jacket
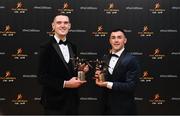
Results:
120 99
53 71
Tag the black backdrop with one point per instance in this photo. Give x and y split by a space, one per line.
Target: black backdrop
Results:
152 28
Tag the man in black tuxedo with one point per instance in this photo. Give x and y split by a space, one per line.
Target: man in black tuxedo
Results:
121 77
56 71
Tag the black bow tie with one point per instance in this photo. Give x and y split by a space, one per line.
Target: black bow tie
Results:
114 55
63 42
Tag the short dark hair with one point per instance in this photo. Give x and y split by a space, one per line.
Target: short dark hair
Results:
116 30
59 13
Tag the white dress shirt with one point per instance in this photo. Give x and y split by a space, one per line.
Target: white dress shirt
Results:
112 64
64 49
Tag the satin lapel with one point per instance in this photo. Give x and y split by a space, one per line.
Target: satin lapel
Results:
72 55
56 47
119 60
107 59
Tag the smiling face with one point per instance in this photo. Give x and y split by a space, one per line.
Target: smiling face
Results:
61 26
117 40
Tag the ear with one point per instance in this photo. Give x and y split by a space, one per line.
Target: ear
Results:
125 40
52 26
69 25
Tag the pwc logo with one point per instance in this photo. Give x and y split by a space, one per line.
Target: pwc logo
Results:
7 31
19 8
66 9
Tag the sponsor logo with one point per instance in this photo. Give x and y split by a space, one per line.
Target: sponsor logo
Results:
31 30
146 77
145 32
20 100
156 99
19 54
88 8
19 8
66 9
157 55
157 9
42 7
8 77
111 9
100 32
7 31
88 99
134 8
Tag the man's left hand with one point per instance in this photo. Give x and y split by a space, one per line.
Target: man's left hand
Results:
101 83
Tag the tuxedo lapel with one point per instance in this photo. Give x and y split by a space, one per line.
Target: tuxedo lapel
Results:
119 60
56 47
106 59
72 55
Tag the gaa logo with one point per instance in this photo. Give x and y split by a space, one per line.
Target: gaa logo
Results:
19 8
66 9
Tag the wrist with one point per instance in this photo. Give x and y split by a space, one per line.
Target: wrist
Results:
66 84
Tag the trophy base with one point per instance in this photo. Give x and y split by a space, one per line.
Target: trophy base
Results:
102 78
81 75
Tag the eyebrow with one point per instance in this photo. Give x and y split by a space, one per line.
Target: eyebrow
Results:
117 36
63 21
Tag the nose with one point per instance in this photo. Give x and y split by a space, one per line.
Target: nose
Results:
62 25
116 39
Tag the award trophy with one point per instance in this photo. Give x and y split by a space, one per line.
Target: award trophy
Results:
81 73
101 66
81 65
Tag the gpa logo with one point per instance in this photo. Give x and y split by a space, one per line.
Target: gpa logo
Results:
19 8
157 55
100 32
157 9
8 77
146 77
19 100
19 54
145 32
111 9
7 31
66 9
156 99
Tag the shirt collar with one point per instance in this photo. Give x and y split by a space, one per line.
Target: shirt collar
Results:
119 52
58 39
